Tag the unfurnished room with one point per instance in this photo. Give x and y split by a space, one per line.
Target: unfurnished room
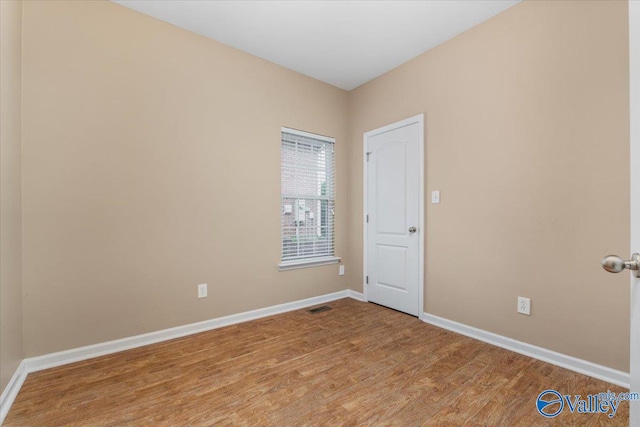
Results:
320 213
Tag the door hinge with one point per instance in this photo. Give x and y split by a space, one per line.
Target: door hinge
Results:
368 153
367 280
367 218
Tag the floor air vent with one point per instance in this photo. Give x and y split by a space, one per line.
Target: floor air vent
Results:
319 309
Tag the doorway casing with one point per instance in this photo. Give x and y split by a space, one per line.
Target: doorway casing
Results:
421 199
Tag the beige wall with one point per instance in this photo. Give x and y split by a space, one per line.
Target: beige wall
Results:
527 138
10 190
152 164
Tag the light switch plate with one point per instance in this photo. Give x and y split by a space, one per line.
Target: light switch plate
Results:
341 270
435 196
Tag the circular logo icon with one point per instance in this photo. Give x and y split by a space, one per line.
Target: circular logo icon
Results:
550 403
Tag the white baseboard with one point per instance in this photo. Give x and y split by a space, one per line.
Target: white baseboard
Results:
355 295
52 360
34 364
47 361
11 390
568 362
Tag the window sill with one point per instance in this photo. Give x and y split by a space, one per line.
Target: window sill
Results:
304 263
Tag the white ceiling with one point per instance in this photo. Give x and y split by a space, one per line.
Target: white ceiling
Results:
343 43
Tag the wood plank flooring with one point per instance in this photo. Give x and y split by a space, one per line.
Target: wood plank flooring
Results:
357 364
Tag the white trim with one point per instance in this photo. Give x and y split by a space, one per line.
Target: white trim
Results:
309 262
308 134
419 118
355 295
634 156
423 228
564 361
47 361
52 360
365 206
11 390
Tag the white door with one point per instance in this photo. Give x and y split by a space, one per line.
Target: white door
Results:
616 264
393 215
634 73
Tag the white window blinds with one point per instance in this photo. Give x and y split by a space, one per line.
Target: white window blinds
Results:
308 197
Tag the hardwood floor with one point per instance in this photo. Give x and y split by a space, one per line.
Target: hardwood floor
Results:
357 364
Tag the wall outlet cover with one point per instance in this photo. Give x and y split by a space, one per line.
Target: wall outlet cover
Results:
202 290
524 306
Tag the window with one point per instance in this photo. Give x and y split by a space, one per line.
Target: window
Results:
308 199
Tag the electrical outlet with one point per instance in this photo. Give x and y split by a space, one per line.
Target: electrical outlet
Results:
524 306
341 270
202 290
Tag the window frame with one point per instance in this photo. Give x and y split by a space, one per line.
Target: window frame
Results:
290 264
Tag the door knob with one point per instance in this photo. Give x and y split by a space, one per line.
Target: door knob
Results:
412 229
615 264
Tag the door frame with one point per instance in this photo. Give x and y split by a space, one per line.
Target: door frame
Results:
421 189
634 156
